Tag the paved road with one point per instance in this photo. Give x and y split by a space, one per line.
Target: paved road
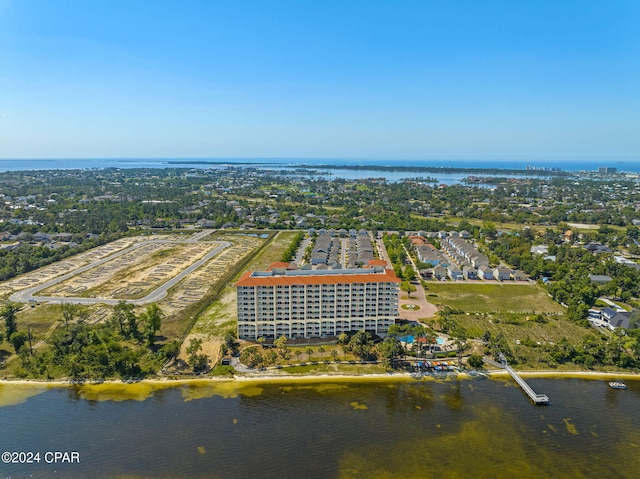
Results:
28 295
611 303
343 252
198 236
382 252
494 282
301 249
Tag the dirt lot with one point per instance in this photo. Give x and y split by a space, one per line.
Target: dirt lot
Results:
197 285
134 274
42 275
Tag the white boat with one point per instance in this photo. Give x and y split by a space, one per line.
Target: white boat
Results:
617 385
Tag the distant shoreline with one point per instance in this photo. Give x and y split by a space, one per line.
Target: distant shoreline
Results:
382 168
537 166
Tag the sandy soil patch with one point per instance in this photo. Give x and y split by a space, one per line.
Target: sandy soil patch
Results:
134 274
584 226
46 273
196 286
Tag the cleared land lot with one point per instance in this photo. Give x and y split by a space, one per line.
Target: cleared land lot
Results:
131 274
135 274
498 297
199 284
42 275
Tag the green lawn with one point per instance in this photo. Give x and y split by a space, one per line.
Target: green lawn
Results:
273 252
513 311
526 337
496 297
520 327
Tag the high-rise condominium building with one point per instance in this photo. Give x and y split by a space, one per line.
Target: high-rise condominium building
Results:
316 303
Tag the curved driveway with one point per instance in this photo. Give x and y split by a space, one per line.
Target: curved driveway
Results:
425 308
27 295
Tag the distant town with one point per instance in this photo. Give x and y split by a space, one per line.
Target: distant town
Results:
240 270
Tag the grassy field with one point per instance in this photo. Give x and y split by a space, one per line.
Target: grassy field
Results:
520 327
496 297
273 252
503 226
526 337
524 314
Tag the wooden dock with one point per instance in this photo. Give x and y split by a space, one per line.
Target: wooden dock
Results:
538 399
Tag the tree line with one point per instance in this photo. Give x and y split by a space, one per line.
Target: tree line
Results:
124 346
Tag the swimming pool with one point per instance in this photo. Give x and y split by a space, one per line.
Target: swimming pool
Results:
410 339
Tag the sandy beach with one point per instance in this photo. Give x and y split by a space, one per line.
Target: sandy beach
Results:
14 392
496 373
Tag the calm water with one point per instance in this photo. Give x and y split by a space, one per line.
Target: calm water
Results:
82 163
451 429
288 163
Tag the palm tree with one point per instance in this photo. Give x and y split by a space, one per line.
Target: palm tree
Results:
462 345
298 354
334 353
309 353
321 350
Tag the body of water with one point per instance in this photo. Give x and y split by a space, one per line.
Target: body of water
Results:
288 163
83 163
470 428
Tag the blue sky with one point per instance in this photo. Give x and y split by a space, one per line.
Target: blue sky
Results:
413 80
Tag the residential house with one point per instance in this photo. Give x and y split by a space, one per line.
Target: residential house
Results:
438 272
518 275
600 278
454 272
205 223
501 273
540 249
616 318
470 272
484 272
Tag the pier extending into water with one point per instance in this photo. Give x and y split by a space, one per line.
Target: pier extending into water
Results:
538 399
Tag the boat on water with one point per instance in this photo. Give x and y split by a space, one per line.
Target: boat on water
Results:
617 385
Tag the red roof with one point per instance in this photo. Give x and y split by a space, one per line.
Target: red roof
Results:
279 264
377 262
282 280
